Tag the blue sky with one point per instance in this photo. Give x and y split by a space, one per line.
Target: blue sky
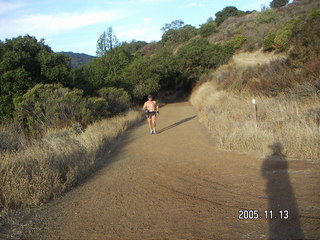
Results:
72 25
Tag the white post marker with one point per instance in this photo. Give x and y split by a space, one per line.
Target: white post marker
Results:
255 115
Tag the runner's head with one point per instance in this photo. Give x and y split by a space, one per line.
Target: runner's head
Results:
150 97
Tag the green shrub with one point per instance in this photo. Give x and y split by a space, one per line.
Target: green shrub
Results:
52 105
283 36
24 62
267 16
278 3
140 78
305 41
227 12
268 41
199 55
118 99
237 41
93 109
180 35
207 29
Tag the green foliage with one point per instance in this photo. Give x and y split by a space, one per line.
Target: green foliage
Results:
227 12
283 36
278 3
174 25
237 41
106 42
207 29
198 55
132 47
54 68
165 64
305 46
54 105
25 62
267 16
180 35
92 109
268 41
104 71
118 99
140 78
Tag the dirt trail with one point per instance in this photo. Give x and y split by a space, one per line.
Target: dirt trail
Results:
177 185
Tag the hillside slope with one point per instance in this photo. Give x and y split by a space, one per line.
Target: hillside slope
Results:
78 59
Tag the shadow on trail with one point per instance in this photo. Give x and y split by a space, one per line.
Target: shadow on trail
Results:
176 124
281 199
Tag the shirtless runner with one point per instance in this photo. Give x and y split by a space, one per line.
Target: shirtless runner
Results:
151 108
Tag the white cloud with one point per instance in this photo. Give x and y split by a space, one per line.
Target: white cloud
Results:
147 21
49 25
7 7
147 33
191 5
151 1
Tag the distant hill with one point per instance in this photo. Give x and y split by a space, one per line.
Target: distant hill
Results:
78 59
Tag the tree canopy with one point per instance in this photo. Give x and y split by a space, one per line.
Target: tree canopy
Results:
106 42
278 3
24 62
227 12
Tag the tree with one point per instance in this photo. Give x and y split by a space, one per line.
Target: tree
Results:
198 56
207 29
278 3
180 35
133 46
106 42
24 62
105 71
174 25
140 78
227 12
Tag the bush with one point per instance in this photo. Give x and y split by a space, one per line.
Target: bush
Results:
180 35
268 41
237 41
207 29
278 3
118 99
227 12
52 105
25 62
268 16
305 41
283 36
92 109
140 78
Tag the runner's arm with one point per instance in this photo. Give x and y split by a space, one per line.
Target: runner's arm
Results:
144 106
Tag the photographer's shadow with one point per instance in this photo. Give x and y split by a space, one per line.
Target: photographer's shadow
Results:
280 197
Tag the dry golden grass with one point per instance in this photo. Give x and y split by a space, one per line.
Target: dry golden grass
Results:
54 164
294 122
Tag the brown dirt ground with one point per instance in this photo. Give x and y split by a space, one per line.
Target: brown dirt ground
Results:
177 185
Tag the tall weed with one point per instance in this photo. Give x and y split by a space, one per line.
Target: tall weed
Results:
289 119
59 161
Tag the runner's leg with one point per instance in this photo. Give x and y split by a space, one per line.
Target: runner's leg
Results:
150 123
154 123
